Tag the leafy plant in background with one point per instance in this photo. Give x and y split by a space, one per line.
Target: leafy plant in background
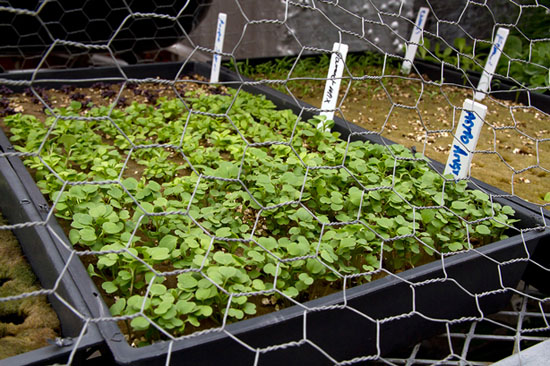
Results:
461 54
530 62
217 239
526 62
306 67
526 55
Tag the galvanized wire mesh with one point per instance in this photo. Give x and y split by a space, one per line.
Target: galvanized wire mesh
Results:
519 326
53 34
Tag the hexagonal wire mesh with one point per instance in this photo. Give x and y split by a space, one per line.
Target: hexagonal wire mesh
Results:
195 205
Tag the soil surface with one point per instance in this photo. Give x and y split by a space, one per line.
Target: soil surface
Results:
25 324
511 150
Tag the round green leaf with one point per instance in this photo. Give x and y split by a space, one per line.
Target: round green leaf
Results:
205 293
158 254
186 281
269 243
77 191
223 232
169 242
236 313
115 192
97 211
291 292
507 210
204 310
198 260
163 307
480 195
336 197
87 234
157 289
185 307
90 188
160 202
336 207
140 323
135 302
305 278
314 266
329 235
153 186
130 183
347 242
82 219
256 256
249 308
118 307
355 195
193 321
124 215
74 236
224 258
385 223
327 256
459 205
125 275
271 269
227 272
455 246
404 230
258 285
294 249
112 228
303 215
107 260
483 229
109 287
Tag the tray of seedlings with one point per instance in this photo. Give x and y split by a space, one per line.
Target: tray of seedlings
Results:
218 222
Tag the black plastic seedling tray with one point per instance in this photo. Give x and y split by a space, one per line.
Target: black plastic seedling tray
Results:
22 203
367 320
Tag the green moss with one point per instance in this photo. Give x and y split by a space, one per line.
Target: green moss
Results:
25 324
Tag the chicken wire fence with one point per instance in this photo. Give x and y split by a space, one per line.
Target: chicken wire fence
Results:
202 210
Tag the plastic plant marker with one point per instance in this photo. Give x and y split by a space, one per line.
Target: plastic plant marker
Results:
412 46
218 48
473 114
465 140
491 64
334 78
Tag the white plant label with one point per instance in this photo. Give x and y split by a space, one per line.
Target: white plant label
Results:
415 39
334 78
218 48
491 64
465 140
